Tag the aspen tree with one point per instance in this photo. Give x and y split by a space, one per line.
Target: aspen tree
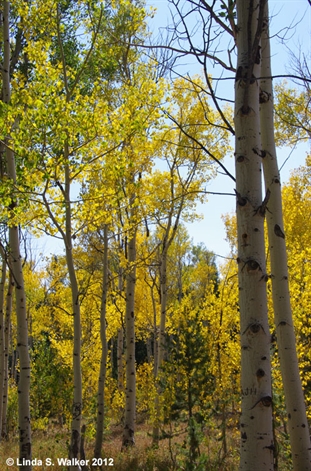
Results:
179 196
182 185
120 335
294 398
2 337
103 360
256 418
120 366
67 236
66 233
77 331
70 136
292 113
16 267
57 169
7 325
130 372
130 389
167 239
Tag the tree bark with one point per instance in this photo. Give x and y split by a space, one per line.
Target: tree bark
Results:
120 360
161 342
155 333
120 339
17 271
103 360
298 427
2 337
130 390
77 332
7 332
163 287
256 452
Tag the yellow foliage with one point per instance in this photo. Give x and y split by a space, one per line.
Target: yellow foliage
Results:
146 389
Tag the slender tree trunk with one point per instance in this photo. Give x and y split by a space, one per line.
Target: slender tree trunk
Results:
2 339
130 390
152 341
161 341
161 347
77 333
75 444
120 365
257 444
163 285
83 467
14 374
155 334
22 346
120 339
298 427
77 377
103 361
168 237
7 332
17 271
223 405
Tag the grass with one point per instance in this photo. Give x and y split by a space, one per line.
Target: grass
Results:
53 444
169 456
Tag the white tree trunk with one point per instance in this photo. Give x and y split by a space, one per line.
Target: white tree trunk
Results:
77 332
103 360
130 390
257 445
161 342
17 271
120 365
7 335
298 427
120 339
163 287
2 337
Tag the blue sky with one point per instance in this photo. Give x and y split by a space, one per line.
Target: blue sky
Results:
210 230
295 14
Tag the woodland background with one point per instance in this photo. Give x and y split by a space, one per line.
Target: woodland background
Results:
133 322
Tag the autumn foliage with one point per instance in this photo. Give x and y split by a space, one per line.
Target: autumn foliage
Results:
112 158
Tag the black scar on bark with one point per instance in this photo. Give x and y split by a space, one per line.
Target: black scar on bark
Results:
278 231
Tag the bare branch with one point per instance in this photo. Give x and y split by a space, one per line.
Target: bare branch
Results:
217 19
201 146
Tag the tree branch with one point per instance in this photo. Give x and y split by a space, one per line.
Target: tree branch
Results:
201 146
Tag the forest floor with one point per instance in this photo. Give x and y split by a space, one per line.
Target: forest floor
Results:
49 447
